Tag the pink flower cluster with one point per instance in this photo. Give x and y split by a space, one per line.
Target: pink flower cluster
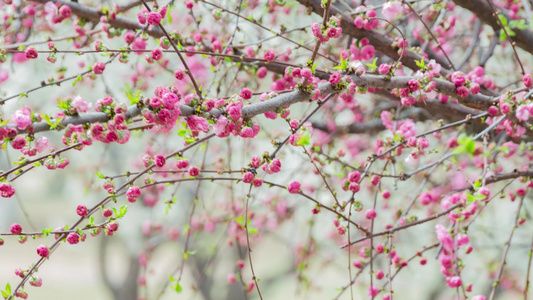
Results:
55 12
164 109
22 118
367 20
133 193
333 30
152 18
361 50
273 167
392 9
234 122
6 190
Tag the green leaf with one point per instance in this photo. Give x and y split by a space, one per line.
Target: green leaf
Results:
122 211
177 287
8 288
466 144
79 78
46 232
100 175
134 98
503 36
304 140
503 19
477 184
421 64
373 64
343 65
314 67
182 132
169 17
63 104
187 253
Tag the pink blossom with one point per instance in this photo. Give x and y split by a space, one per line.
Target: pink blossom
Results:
331 32
269 55
159 160
153 18
392 9
485 192
129 37
156 54
98 68
453 282
22 117
43 251
335 78
80 104
275 165
294 187
444 237
18 143
423 143
133 192
522 113
51 11
474 88
373 291
462 91
458 79
6 190
256 161
358 22
527 81
81 210
409 100
107 213
182 164
367 52
247 132
505 108
31 53
262 72
246 93
384 69
248 177
73 238
197 123
370 214
354 187
65 11
194 171
462 239
511 149
15 229
357 263
414 85
231 278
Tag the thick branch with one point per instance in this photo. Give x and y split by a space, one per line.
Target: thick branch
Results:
93 15
381 42
522 38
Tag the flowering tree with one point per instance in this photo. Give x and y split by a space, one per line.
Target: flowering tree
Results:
338 149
